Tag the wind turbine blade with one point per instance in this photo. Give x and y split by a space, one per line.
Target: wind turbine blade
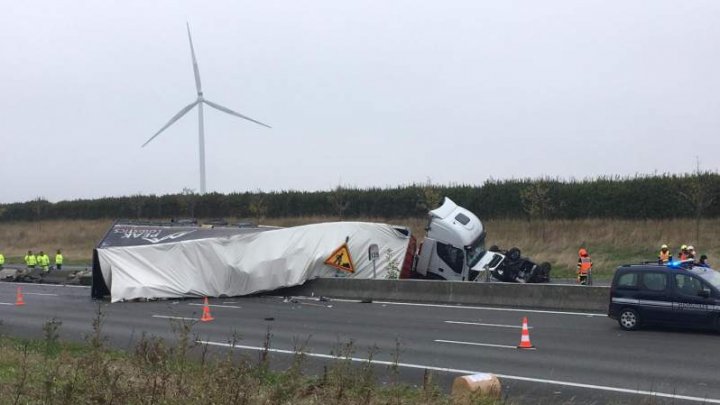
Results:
231 112
172 121
198 85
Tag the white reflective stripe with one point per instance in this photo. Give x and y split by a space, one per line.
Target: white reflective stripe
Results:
625 300
650 303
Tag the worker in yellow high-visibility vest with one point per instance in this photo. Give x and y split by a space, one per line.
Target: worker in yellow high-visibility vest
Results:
30 260
2 261
43 261
58 260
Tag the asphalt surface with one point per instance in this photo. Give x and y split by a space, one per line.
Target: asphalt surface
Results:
579 358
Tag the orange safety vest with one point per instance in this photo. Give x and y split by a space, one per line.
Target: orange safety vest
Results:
664 256
584 265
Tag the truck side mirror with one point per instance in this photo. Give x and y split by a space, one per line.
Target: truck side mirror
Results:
704 293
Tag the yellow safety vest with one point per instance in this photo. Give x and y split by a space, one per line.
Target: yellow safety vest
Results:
44 260
58 259
2 259
30 260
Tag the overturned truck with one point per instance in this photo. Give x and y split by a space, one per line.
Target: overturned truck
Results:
454 249
170 260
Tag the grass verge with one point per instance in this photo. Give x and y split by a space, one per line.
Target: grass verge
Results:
158 371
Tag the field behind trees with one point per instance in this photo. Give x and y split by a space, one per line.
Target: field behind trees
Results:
611 242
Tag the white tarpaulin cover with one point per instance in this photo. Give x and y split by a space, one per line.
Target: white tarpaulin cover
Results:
247 263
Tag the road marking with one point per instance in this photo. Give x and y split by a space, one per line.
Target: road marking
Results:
415 304
179 318
6 303
474 344
315 305
459 371
229 302
216 306
486 324
31 293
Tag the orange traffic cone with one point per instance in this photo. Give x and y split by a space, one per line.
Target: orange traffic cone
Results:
206 317
525 337
19 300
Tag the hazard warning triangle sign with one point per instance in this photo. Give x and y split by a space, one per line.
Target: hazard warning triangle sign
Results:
341 260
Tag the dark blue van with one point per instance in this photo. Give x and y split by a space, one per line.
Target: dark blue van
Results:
665 294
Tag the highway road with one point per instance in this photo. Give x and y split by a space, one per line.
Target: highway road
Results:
579 357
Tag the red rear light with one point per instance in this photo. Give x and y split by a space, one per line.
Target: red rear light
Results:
409 257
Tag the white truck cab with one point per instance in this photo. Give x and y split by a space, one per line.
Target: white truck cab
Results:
454 248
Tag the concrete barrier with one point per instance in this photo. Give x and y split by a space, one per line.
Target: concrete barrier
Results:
541 296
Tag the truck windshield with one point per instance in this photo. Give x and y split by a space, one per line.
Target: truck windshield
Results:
709 275
475 251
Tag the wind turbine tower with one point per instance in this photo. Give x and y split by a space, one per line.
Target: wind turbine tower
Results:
199 103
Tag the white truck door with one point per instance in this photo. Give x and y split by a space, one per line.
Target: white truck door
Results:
427 251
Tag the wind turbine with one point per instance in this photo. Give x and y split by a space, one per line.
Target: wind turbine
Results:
199 103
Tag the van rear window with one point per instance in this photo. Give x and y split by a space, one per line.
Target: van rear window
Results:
628 280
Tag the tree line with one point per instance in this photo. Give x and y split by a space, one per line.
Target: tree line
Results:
640 197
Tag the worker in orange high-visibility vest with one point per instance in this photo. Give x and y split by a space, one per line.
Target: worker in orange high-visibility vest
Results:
683 255
664 256
584 267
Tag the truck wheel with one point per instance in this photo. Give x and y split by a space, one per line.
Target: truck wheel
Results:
545 272
513 254
629 319
510 273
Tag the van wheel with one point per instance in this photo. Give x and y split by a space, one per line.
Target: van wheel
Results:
629 319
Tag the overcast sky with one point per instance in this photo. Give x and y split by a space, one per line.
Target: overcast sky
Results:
359 93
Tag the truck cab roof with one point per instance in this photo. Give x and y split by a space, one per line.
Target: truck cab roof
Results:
454 224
